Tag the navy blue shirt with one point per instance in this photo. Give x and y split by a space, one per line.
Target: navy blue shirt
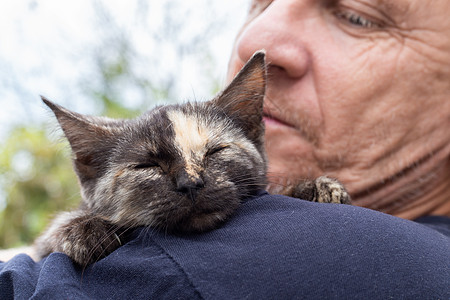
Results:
273 247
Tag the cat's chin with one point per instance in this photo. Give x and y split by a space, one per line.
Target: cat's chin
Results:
200 222
195 219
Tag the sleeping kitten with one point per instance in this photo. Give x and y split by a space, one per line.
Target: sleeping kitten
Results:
178 168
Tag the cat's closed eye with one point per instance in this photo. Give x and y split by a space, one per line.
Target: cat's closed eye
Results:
146 165
216 149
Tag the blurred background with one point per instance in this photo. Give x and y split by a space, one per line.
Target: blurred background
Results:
102 57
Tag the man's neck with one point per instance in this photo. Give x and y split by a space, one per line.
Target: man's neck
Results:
426 191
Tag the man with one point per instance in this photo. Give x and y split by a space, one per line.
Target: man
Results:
357 90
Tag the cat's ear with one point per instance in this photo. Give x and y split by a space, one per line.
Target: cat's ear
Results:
89 138
243 98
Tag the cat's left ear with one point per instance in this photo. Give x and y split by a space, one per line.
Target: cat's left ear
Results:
243 98
89 138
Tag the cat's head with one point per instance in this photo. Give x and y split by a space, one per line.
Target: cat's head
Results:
182 167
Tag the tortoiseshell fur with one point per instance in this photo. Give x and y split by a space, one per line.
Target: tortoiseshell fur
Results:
178 168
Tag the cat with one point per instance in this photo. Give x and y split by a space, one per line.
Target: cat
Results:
178 168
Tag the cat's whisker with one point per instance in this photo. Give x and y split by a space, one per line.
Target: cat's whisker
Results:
112 231
107 235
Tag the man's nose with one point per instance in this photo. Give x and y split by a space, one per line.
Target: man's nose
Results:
279 31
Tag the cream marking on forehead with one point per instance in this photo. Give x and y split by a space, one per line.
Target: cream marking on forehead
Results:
191 137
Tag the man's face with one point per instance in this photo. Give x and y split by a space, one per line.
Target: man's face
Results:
357 89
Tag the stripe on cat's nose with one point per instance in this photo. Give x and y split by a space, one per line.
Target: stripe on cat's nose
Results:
190 138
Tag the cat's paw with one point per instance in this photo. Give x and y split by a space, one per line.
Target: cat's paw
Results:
84 238
323 189
329 190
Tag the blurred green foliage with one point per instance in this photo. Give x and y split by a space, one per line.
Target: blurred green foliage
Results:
37 180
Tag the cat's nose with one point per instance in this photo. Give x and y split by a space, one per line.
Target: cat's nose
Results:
188 184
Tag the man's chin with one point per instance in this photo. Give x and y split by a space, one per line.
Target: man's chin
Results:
286 165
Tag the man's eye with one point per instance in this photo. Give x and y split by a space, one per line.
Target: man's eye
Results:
356 20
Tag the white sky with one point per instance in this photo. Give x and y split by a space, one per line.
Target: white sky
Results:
45 48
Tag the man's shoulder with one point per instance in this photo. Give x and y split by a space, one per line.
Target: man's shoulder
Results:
277 245
324 218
